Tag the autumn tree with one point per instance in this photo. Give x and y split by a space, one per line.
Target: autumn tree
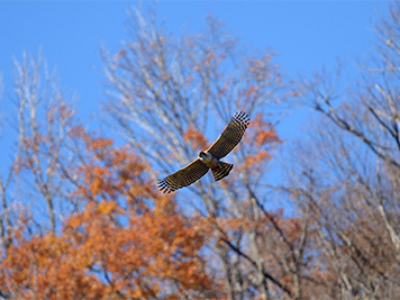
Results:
81 218
128 241
30 182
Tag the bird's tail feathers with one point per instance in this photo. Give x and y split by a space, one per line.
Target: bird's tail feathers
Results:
221 171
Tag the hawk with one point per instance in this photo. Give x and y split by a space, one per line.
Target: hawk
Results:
210 158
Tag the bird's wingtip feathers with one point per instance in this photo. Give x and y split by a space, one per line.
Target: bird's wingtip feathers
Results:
164 187
242 117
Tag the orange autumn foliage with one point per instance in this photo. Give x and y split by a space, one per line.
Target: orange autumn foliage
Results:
263 132
128 241
196 138
261 137
261 156
48 267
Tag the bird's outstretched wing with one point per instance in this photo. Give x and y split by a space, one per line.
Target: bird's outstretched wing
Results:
184 177
231 136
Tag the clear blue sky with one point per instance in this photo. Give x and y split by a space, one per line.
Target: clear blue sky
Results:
304 34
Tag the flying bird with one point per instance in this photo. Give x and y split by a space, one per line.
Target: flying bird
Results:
210 158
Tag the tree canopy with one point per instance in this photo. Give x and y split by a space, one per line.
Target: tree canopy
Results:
81 216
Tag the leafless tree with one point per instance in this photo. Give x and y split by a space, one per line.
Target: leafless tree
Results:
349 174
42 154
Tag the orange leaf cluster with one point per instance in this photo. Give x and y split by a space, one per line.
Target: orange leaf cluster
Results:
264 132
197 139
48 267
98 257
252 160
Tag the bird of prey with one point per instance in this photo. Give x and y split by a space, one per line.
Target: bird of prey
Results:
210 158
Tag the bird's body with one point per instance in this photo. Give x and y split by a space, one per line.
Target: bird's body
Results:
210 158
219 169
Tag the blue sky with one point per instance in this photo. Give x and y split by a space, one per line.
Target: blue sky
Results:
305 34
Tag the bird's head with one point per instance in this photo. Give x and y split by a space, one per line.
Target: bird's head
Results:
202 155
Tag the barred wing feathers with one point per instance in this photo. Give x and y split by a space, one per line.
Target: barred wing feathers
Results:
184 177
231 136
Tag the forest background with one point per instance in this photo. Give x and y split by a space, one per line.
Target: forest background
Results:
311 209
